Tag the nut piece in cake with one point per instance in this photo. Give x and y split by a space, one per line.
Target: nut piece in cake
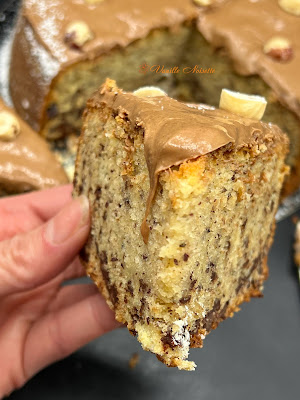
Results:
279 48
182 202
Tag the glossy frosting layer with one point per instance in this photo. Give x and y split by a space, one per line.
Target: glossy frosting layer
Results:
243 27
26 162
112 22
175 132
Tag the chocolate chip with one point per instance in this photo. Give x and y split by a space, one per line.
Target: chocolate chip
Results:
175 261
143 286
84 254
129 287
214 276
168 341
192 284
103 257
182 245
113 294
243 226
98 192
185 299
52 111
185 257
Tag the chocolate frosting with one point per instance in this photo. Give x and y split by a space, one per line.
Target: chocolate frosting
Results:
40 52
112 22
243 27
175 132
26 162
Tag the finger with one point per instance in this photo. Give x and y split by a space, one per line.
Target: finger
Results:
69 295
14 222
32 259
45 204
65 331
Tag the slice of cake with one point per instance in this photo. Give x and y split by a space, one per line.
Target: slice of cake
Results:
182 201
26 162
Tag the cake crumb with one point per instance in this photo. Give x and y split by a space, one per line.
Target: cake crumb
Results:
134 359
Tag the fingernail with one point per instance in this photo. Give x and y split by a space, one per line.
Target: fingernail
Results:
69 221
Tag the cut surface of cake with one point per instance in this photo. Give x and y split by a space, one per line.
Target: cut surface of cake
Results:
182 203
26 162
61 53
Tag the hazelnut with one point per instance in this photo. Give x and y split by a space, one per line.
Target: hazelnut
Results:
149 91
246 105
290 6
9 126
77 34
279 49
204 3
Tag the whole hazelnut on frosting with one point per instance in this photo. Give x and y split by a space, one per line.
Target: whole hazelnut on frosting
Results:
9 126
149 91
290 6
77 34
246 105
279 48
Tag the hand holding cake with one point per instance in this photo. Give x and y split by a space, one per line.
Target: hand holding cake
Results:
42 321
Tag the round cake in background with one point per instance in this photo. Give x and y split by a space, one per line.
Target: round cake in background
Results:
61 54
26 161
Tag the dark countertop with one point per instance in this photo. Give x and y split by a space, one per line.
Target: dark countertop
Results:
255 355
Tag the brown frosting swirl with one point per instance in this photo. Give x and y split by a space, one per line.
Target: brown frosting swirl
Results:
175 132
26 162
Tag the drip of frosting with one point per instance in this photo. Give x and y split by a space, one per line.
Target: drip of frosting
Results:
175 132
26 162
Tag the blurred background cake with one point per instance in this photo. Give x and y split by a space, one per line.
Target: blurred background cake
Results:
64 49
26 161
